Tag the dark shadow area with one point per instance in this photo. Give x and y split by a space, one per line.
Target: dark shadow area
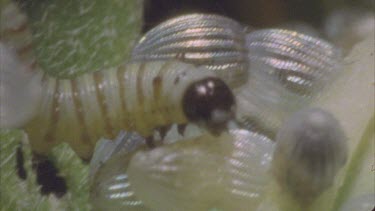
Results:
48 177
256 13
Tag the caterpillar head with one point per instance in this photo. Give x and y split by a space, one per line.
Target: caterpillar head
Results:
210 103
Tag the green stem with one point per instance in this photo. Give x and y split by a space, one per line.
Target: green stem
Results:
355 165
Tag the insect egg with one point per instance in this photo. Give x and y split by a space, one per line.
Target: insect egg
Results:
286 70
214 41
301 63
110 187
310 149
227 172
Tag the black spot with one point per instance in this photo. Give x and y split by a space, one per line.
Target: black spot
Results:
21 172
205 96
47 177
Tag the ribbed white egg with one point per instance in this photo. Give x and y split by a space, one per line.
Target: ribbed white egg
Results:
213 41
287 69
229 172
300 62
110 188
310 149
301 27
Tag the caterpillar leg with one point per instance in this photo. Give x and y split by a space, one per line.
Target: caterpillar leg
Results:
47 176
181 129
150 142
163 131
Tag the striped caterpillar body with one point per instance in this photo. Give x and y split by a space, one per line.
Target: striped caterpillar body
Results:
140 96
137 96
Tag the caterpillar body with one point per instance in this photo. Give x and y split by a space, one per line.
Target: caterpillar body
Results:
138 96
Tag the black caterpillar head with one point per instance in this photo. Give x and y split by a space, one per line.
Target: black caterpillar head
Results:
210 103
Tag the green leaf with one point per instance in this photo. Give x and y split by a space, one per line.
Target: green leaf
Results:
74 37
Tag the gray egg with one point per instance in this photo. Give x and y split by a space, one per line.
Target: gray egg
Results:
213 41
310 149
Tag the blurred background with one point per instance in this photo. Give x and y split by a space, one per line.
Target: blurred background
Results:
256 13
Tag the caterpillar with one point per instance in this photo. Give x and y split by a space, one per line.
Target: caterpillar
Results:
139 96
